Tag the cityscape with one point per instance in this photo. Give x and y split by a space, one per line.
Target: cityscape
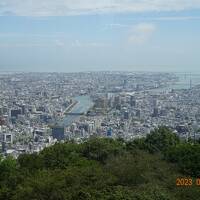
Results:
38 110
99 100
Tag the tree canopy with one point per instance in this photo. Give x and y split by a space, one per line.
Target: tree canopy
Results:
102 168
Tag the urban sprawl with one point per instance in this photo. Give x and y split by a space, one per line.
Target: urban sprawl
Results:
39 109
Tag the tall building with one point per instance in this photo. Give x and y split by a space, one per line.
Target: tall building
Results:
155 112
8 138
2 121
23 109
125 82
155 102
117 100
126 115
109 132
132 101
16 112
1 110
4 147
138 113
58 133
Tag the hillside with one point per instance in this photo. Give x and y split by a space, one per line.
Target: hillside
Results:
98 169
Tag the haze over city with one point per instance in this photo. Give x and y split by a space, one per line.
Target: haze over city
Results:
67 36
99 99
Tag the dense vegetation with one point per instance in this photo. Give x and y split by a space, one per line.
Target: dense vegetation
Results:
144 169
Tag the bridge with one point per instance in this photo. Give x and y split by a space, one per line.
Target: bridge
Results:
75 114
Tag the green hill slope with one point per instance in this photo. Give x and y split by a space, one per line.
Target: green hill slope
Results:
145 169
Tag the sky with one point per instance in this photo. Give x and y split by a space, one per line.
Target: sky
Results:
96 35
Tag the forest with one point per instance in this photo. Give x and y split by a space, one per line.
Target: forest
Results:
103 168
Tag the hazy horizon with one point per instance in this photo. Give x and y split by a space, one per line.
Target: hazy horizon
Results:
90 71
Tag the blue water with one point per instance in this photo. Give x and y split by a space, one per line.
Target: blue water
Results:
187 80
83 105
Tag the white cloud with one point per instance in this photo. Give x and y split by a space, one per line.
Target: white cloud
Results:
77 7
59 43
77 43
18 45
164 18
175 18
141 33
112 26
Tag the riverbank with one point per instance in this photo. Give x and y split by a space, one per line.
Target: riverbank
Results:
70 107
83 104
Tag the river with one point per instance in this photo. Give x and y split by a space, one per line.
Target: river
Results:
84 103
186 80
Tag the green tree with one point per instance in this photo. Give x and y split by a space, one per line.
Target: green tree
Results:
8 168
101 149
187 156
161 139
30 162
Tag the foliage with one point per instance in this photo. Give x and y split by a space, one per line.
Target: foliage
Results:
158 140
101 149
187 157
101 169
